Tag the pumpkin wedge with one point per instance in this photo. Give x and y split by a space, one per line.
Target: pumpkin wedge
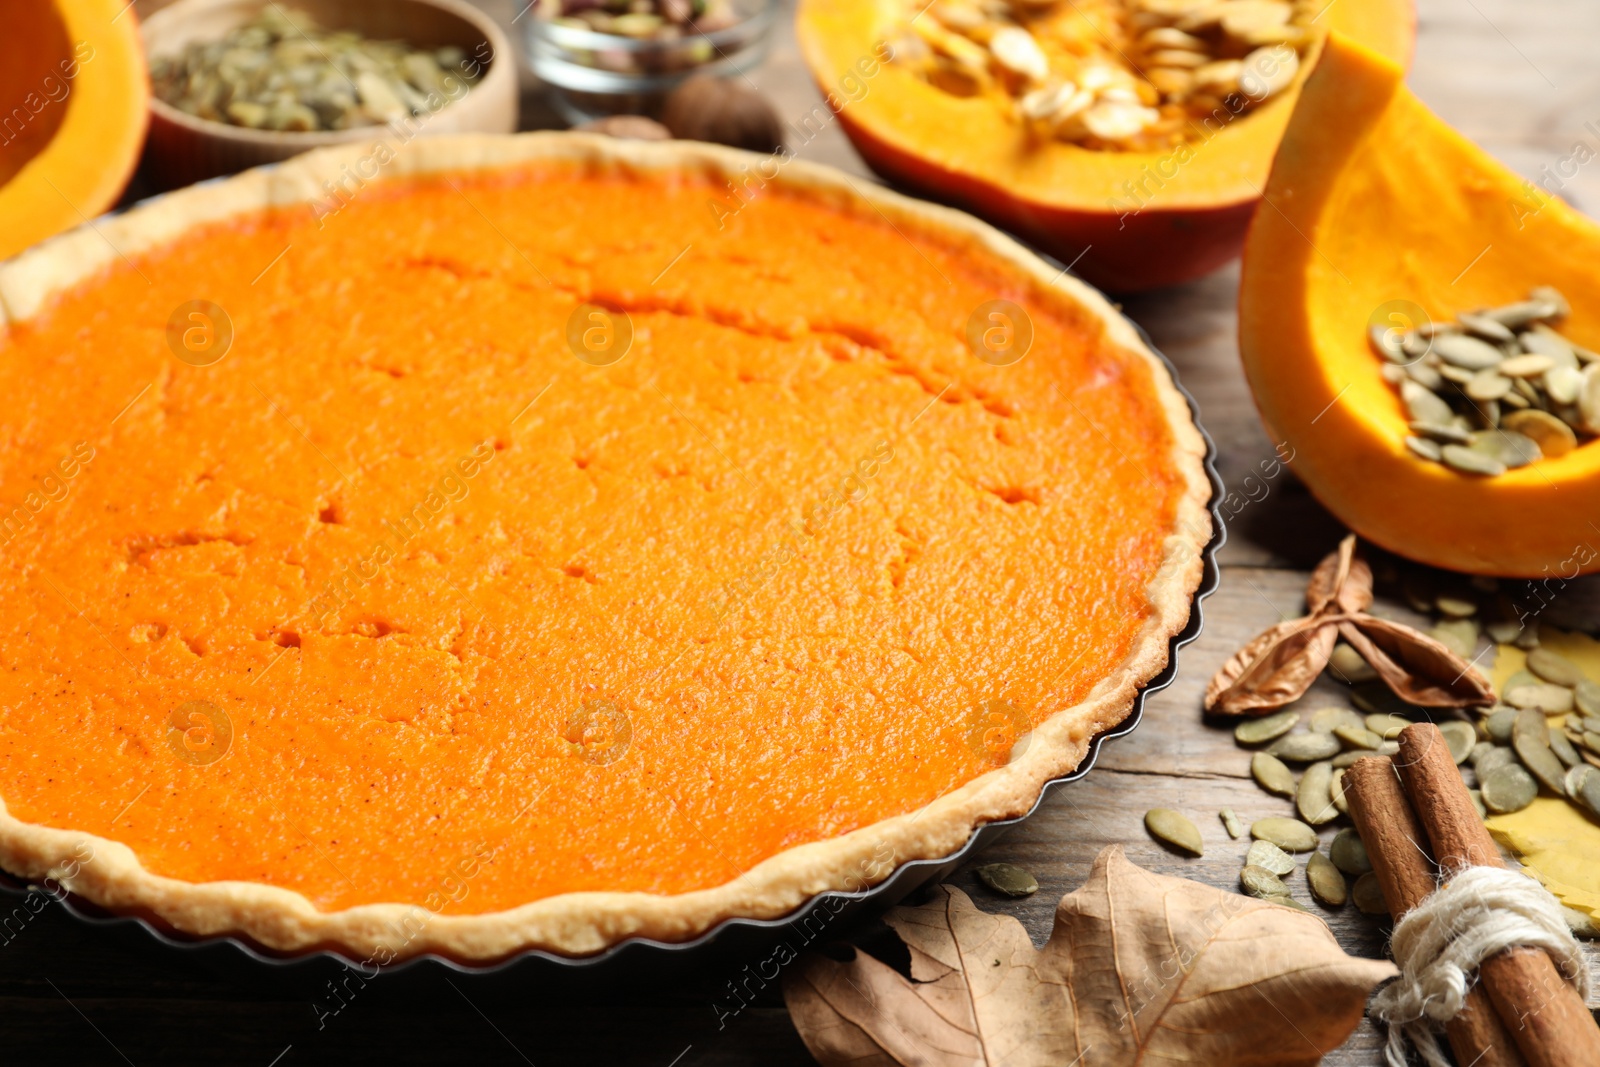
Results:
1125 220
77 100
1373 199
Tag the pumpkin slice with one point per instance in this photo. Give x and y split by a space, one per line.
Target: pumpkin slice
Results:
1124 220
72 74
1374 199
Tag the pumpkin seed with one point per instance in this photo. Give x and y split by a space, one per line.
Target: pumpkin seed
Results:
1542 762
1443 433
1255 731
1272 775
1527 366
1591 740
1522 313
1358 737
1326 720
1589 793
1499 756
1508 789
1531 726
1554 699
1327 884
1387 727
1422 448
1543 341
1561 745
1349 853
1314 798
1476 796
1386 342
1503 631
1387 748
1573 782
1554 667
1423 405
1510 448
1519 678
1304 748
1262 883
1458 635
1486 327
1586 697
1488 384
1368 895
1231 823
1499 724
1479 750
1460 736
1266 855
1375 698
1173 828
1589 398
1291 835
1348 759
1348 666
1455 608
1549 294
1466 352
1336 791
1563 384
1554 437
1008 879
1462 458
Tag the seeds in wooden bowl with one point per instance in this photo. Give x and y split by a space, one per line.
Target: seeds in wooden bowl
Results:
281 71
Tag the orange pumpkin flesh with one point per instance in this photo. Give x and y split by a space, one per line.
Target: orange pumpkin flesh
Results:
72 74
1373 199
1125 221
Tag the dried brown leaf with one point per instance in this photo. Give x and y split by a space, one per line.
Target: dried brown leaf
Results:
1419 668
1140 968
1275 668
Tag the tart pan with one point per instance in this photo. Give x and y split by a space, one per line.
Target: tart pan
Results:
733 942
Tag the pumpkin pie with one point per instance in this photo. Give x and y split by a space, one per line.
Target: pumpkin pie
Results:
535 542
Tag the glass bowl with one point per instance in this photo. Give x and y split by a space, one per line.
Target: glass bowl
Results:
589 74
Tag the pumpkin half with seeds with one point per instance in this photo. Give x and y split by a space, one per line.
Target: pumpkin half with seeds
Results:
1379 209
1128 138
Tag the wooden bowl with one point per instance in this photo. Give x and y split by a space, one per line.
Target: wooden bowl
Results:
184 149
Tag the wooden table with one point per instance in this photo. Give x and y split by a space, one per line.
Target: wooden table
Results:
1515 75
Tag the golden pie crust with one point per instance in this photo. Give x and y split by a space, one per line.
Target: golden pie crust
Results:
110 874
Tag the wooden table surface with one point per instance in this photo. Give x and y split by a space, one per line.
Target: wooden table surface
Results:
1514 75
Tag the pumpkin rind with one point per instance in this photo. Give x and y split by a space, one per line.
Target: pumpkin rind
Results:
1126 221
1373 198
96 127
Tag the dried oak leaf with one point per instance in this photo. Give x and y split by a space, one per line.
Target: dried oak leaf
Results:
1140 968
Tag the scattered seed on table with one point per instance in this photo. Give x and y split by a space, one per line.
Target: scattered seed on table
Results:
1326 720
1541 763
1349 854
1336 790
1575 778
1291 835
1589 793
1008 879
1327 884
1454 607
1555 699
1314 797
1530 725
1266 854
1508 789
1262 883
1493 760
1368 895
1499 724
1561 745
1231 823
1586 695
1304 748
1387 727
1267 728
1358 737
1460 736
1272 774
1348 759
1554 668
1348 666
1175 829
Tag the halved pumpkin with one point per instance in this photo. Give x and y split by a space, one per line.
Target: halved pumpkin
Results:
1374 199
72 76
1125 221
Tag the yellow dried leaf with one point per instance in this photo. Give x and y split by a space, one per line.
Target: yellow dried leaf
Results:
1556 841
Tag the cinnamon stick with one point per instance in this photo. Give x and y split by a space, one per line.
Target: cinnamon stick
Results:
1397 845
1545 1015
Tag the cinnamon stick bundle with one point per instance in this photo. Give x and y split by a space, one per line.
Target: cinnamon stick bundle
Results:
1405 807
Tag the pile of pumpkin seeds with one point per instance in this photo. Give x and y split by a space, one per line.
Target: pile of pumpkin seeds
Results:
280 71
1496 389
1507 752
1164 66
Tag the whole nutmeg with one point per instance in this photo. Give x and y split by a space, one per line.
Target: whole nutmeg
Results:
723 111
627 128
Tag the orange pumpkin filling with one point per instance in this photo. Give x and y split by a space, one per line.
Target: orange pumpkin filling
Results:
400 586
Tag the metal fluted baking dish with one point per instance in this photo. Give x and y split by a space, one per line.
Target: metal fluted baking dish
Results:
824 917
